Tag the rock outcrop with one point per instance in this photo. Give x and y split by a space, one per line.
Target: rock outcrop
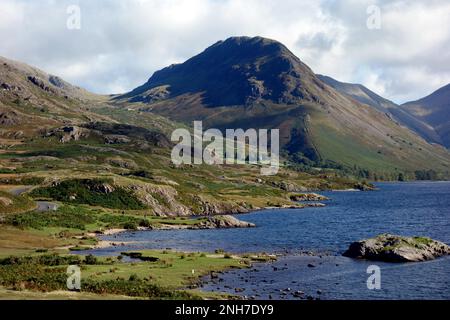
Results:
214 207
288 186
225 222
122 163
308 197
10 118
364 186
392 248
68 133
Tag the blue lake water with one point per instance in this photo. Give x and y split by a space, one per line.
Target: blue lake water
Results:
410 209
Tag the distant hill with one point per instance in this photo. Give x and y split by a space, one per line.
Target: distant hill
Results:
32 100
433 110
360 93
366 96
256 82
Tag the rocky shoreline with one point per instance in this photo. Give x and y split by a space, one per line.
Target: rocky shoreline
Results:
211 222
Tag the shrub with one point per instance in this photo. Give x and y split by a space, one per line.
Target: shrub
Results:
64 217
46 260
33 277
133 277
123 221
91 192
133 287
130 226
145 223
90 259
36 276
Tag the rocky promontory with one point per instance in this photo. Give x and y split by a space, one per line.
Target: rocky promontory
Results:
225 221
393 248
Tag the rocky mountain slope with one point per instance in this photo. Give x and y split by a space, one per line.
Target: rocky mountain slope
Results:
434 110
32 100
364 95
68 145
256 82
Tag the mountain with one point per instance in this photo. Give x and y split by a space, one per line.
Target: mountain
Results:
238 71
364 95
56 136
359 93
16 76
433 110
32 100
247 82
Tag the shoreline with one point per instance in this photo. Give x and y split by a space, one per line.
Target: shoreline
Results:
167 227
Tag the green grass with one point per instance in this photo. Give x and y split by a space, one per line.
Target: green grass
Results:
10 204
64 217
422 240
9 294
336 147
123 221
70 220
172 269
48 273
22 181
164 278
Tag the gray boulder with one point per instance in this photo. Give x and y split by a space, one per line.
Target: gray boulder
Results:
392 248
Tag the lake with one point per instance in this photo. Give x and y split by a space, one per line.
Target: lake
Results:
317 237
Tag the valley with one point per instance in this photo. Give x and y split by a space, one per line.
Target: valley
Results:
75 165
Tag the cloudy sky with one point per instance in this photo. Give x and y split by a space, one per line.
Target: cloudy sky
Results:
121 43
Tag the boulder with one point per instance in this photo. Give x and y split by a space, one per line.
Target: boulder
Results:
68 133
393 248
5 201
9 118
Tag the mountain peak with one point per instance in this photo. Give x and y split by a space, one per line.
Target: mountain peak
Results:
250 42
235 71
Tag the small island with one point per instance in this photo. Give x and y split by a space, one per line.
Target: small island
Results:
393 248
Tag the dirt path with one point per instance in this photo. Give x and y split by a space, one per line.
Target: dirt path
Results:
19 190
42 206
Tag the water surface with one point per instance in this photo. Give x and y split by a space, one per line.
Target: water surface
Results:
410 209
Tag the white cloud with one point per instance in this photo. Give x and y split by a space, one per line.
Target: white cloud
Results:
121 43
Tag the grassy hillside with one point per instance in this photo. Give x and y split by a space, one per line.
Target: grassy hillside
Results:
399 113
